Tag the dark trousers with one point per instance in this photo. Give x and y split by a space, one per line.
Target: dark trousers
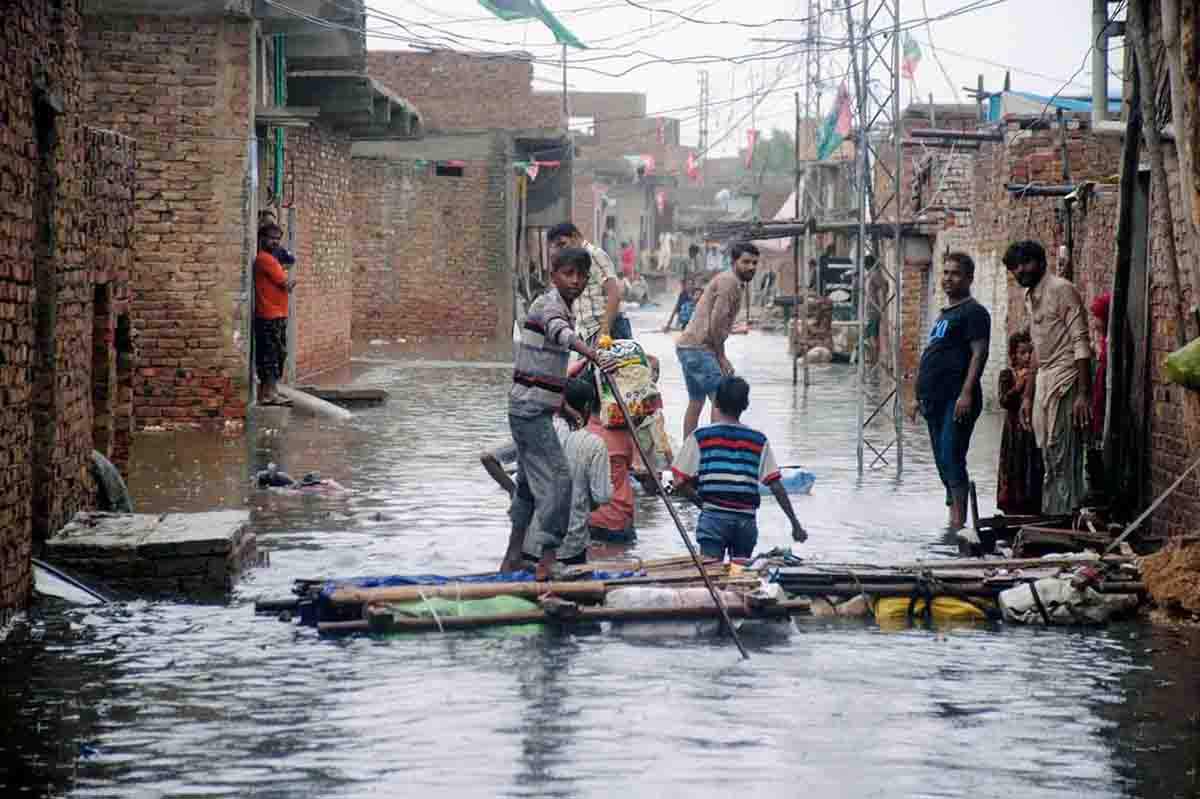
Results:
950 439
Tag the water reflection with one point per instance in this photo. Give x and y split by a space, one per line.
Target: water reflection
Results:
176 700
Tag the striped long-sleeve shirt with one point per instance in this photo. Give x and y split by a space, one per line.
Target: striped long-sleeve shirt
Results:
727 461
540 364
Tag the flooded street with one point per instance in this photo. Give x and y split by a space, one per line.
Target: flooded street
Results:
170 700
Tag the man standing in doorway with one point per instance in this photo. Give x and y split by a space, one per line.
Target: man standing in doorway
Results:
598 309
1057 404
271 289
701 347
948 391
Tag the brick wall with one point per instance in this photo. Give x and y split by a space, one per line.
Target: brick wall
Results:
457 91
181 87
322 302
63 232
1174 423
584 207
432 258
111 173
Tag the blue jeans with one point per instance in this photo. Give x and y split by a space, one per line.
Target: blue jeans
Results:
950 439
718 532
701 372
621 328
543 479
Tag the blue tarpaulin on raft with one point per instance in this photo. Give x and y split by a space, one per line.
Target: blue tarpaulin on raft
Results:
438 579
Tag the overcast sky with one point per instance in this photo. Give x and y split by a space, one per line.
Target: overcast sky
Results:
1044 42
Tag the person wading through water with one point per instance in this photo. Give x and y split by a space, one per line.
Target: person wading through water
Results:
543 493
701 347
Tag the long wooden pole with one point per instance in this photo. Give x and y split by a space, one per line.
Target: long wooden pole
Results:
589 590
392 623
658 487
798 318
1115 375
1136 22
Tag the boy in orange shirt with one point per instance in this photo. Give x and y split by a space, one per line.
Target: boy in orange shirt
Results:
271 289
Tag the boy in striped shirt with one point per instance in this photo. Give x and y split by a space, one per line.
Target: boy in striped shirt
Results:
543 495
719 468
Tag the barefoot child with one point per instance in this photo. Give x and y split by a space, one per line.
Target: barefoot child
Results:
719 468
1019 489
543 495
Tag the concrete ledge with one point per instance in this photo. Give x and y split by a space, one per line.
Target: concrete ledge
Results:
197 554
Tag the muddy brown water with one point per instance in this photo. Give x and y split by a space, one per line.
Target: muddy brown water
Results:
164 699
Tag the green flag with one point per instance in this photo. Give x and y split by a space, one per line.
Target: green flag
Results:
836 127
912 57
532 9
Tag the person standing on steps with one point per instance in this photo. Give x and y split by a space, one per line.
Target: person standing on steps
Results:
272 285
949 395
701 347
1057 405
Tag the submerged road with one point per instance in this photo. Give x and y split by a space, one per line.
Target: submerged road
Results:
171 700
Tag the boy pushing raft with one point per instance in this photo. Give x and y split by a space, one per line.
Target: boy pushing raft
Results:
543 495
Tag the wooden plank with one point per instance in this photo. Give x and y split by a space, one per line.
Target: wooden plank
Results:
382 620
584 591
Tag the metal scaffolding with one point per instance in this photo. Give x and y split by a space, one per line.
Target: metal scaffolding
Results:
807 195
875 64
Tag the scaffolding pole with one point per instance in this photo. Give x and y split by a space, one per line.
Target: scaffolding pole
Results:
808 205
875 62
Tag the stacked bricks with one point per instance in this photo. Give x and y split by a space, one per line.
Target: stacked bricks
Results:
195 554
181 87
323 299
433 261
460 91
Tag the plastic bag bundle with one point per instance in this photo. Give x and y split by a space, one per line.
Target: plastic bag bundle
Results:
1183 366
635 382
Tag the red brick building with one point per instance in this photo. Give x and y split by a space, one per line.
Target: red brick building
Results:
232 116
436 219
65 350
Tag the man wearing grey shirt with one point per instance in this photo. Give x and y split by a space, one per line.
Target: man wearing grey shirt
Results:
588 467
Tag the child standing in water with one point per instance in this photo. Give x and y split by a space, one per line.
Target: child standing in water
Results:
1019 490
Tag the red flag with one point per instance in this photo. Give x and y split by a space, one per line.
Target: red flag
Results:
693 168
660 199
648 163
751 140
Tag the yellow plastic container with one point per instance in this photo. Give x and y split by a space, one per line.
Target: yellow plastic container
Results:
945 609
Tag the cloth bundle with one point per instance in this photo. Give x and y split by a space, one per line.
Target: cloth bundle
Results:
635 382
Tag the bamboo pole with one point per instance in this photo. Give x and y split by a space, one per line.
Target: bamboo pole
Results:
1139 36
383 621
1115 376
584 591
1179 32
687 542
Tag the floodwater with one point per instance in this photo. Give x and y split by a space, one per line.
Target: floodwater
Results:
172 700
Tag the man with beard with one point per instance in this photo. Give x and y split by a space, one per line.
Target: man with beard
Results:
1057 405
701 348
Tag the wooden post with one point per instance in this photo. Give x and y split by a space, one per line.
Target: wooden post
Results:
1118 311
1138 35
797 319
